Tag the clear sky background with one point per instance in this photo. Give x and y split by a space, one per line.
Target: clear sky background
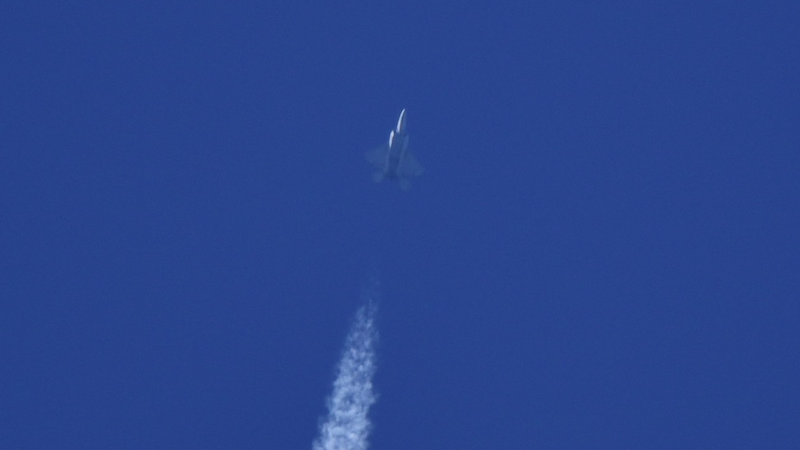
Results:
603 253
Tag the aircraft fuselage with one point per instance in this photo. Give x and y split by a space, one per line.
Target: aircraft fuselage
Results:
393 159
398 144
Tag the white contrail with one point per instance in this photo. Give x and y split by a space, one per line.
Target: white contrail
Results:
347 425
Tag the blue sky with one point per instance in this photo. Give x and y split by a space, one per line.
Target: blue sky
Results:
602 253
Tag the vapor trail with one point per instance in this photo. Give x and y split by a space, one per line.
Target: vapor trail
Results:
347 426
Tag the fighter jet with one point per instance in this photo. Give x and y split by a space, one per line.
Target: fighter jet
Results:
393 159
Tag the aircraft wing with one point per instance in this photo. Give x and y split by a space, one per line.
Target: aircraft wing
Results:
378 156
410 166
